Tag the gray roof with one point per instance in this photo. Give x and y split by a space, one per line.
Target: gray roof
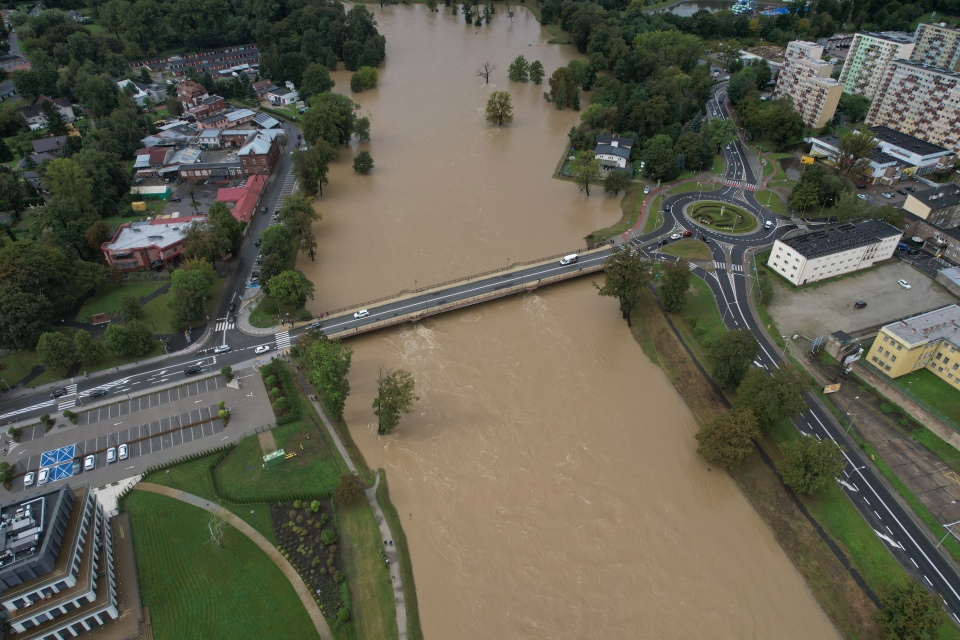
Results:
265 120
939 324
908 142
939 198
144 234
613 151
258 145
844 237
54 143
621 142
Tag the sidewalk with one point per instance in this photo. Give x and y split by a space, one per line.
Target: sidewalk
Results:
313 610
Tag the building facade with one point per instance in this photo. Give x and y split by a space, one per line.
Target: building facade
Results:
817 255
863 70
260 153
896 156
937 45
942 241
928 341
806 79
145 245
941 205
190 93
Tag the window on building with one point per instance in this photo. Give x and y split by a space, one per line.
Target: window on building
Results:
874 358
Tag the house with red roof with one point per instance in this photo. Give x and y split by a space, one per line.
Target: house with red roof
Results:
246 199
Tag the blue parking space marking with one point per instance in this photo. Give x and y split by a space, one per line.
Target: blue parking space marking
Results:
61 471
57 456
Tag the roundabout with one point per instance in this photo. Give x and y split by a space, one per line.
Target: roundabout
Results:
723 217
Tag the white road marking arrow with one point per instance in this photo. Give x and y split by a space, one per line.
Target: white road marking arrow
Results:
888 539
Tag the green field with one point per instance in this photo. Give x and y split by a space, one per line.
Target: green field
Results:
688 249
654 216
932 391
197 590
772 201
108 300
722 217
717 165
371 590
264 315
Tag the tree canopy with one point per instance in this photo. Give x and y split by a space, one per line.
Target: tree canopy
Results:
395 397
626 274
731 356
499 108
729 437
808 465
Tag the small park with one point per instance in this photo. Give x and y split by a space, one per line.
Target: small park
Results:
721 216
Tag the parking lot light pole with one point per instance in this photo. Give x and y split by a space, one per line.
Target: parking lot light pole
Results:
947 527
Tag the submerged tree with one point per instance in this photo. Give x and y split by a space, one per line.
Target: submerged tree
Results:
499 108
394 397
626 274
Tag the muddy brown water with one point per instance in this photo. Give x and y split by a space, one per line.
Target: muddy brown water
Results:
547 481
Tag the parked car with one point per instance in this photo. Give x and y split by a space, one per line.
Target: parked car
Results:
111 455
312 325
646 190
913 252
98 393
676 236
861 196
174 199
910 189
43 477
887 194
28 479
904 284
859 304
192 371
363 313
139 181
901 192
257 243
59 391
232 307
123 452
77 466
262 349
861 186
89 462
222 348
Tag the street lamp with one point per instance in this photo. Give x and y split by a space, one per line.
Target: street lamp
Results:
947 527
784 354
850 426
5 382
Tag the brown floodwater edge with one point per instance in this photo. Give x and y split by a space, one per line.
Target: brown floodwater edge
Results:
837 588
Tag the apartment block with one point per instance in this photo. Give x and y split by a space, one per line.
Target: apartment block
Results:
940 205
921 101
806 79
870 53
817 255
937 45
928 341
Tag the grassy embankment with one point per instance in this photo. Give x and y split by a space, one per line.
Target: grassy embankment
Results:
688 249
630 206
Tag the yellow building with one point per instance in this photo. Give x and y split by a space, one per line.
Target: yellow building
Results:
930 340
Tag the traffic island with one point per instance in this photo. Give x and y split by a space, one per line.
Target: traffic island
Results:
721 216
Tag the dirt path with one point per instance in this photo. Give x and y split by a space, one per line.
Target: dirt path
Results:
302 591
267 442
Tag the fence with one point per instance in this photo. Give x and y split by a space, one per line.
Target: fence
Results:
406 292
466 302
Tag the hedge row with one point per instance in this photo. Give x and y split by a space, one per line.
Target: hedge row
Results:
290 390
220 452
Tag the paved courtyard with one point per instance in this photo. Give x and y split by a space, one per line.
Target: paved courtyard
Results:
824 308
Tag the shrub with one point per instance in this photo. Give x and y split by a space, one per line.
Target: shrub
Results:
45 418
15 433
339 577
887 408
691 320
71 416
227 372
222 404
271 381
303 314
351 487
281 404
330 562
698 331
324 518
300 519
297 505
707 343
315 506
224 417
343 615
292 514
328 536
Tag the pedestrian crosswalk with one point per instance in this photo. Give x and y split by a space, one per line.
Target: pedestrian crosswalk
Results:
691 266
223 325
66 401
289 188
740 184
283 340
734 268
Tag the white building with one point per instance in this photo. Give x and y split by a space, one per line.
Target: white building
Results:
866 64
817 255
613 152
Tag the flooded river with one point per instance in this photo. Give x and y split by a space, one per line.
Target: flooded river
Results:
548 480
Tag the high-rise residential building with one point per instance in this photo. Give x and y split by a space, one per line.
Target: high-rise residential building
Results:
921 101
867 60
937 45
806 79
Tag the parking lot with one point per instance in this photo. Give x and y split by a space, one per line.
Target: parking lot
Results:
156 427
824 308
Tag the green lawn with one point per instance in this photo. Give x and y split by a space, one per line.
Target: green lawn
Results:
265 313
717 165
654 216
311 470
688 249
154 208
933 391
700 304
772 201
722 217
371 590
196 589
159 314
16 365
108 300
686 187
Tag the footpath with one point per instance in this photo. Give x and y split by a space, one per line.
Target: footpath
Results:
313 610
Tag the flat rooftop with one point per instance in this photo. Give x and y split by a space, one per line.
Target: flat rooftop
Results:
939 324
144 234
844 237
908 142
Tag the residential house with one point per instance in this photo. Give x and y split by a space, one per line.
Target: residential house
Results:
236 137
140 245
260 153
210 61
262 86
155 93
816 255
210 139
613 152
209 106
7 90
239 117
190 93
34 113
52 144
941 240
218 121
282 96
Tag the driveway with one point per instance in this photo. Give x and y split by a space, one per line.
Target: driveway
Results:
822 309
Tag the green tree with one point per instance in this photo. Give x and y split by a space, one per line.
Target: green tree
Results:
850 208
804 196
316 79
226 226
394 397
203 241
772 397
499 108
909 612
562 87
89 351
519 69
117 339
276 240
368 78
690 146
328 363
676 281
189 284
349 489
363 163
808 465
291 287
585 169
56 350
731 356
855 106
361 129
96 234
626 274
130 308
729 437
273 265
536 72
660 158
6 155
311 167
56 125
853 154
615 182
331 117
140 339
298 215
720 132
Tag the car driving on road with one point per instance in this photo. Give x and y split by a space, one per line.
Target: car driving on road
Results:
676 236
312 325
96 393
59 391
363 313
222 348
262 348
192 371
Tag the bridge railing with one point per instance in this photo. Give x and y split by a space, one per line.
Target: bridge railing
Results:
405 292
466 302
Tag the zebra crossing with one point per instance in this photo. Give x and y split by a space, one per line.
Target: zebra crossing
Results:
66 401
740 184
734 268
223 324
283 340
289 188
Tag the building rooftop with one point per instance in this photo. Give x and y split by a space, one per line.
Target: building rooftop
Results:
621 152
266 121
892 37
609 140
258 145
908 142
209 134
24 527
939 324
844 237
239 114
138 235
48 144
939 198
